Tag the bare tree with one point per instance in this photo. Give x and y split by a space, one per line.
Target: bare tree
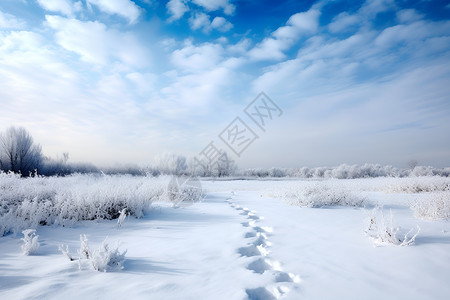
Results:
18 153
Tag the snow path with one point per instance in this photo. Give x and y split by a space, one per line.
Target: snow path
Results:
258 249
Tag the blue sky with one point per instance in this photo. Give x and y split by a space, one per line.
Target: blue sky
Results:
122 81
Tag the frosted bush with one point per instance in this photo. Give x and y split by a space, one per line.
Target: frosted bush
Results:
183 190
420 185
121 218
107 258
30 241
29 202
435 206
386 233
321 194
65 251
84 251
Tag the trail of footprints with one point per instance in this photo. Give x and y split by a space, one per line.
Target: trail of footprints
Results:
258 248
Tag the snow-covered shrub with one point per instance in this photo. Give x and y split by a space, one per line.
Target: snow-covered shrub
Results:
107 258
386 233
30 241
33 201
84 251
121 218
434 207
420 185
183 190
322 193
345 171
65 250
420 171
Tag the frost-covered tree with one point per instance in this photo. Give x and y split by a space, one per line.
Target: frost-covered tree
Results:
169 163
225 166
220 166
18 152
413 163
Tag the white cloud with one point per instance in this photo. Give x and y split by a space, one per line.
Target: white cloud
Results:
200 20
298 25
8 21
323 63
177 8
344 22
221 24
97 44
372 7
66 7
305 22
241 47
356 115
213 5
168 44
143 82
124 8
193 58
411 33
408 16
199 83
269 49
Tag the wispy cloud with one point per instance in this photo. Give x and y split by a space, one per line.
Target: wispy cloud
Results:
97 44
66 7
213 5
124 8
177 8
8 21
282 39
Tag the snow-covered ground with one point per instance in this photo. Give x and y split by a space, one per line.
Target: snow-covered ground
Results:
243 242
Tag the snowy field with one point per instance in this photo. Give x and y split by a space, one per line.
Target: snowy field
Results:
248 239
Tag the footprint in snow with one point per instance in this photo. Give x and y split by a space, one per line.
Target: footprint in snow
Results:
253 216
253 250
261 265
263 229
246 212
280 276
249 223
261 240
250 234
260 293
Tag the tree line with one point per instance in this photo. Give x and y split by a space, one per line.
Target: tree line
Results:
20 154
